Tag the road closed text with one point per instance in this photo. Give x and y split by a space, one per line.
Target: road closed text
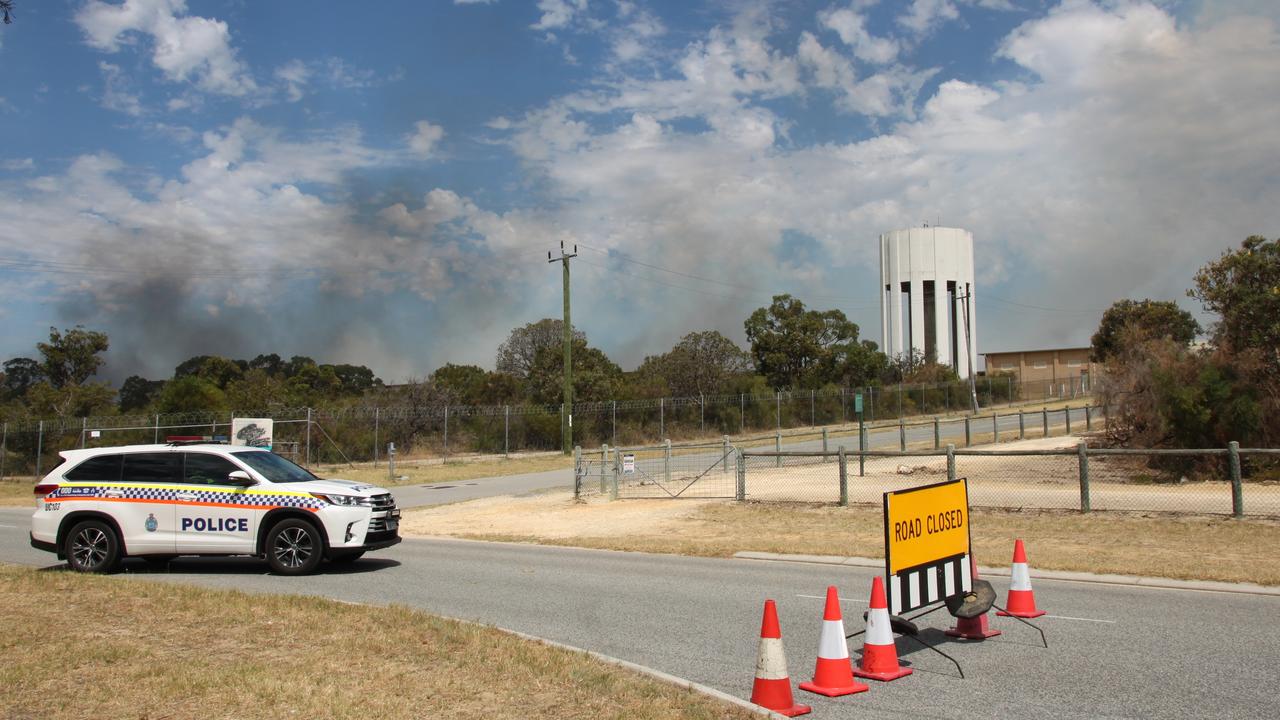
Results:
939 522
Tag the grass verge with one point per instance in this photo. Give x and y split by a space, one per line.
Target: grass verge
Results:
154 650
1192 548
444 472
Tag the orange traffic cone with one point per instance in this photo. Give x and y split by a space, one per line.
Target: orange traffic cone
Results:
972 628
834 674
1022 601
772 687
879 653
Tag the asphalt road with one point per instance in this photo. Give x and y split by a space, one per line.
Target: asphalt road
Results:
1113 651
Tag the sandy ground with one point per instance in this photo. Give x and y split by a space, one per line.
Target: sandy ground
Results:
998 482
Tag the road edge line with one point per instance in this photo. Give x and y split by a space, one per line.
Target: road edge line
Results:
1066 576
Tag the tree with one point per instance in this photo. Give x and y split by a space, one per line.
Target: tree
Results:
798 348
190 394
516 354
6 6
19 375
216 369
355 379
702 363
271 364
1149 319
595 376
72 357
137 392
1243 288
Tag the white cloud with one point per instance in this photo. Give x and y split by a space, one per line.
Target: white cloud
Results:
557 14
424 138
295 75
19 164
924 17
184 48
116 93
851 27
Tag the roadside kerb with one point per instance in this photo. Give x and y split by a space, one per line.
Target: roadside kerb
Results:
1063 575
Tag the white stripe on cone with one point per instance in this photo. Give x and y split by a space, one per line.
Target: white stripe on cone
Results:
1020 577
878 630
831 644
771 663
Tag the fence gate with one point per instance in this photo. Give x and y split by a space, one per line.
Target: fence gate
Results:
701 470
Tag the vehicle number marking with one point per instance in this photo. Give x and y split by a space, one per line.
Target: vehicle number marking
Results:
52 507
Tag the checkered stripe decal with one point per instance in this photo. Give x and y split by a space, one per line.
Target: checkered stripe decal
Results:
201 496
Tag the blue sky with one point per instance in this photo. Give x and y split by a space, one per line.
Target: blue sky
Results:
380 183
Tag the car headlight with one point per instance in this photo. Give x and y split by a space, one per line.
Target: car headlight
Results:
343 500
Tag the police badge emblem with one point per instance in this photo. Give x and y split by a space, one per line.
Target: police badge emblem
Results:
151 522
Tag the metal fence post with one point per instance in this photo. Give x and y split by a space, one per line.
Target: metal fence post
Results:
741 493
1088 417
813 415
1044 420
968 435
446 430
1067 412
156 435
937 437
39 449
995 427
617 473
862 450
577 471
902 435
604 464
1085 503
777 410
666 449
1237 489
702 413
613 417
844 479
724 455
506 431
308 437
377 419
662 417
1022 425
951 461
742 413
824 443
84 428
777 447
4 448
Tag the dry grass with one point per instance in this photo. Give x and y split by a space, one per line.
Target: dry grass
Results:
424 474
1201 548
16 493
75 647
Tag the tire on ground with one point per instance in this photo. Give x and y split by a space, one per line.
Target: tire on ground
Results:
92 546
294 547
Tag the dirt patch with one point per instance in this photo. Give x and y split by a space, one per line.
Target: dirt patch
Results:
552 516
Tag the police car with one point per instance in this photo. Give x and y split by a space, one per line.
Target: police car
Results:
160 501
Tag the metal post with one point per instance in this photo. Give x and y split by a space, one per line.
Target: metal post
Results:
604 463
666 448
741 493
1237 489
613 415
1067 411
39 449
617 473
4 448
446 431
84 428
577 471
777 410
844 479
156 436
899 400
995 427
862 448
968 436
377 417
951 461
308 437
1088 418
871 403
824 443
1044 420
937 437
902 435
813 417
1022 425
724 455
777 447
702 413
391 461
1083 453
506 431
662 417
742 413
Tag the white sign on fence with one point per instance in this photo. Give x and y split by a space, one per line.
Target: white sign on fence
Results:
628 464
254 432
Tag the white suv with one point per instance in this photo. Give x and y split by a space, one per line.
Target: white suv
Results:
160 501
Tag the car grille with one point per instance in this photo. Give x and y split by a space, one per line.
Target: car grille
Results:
381 503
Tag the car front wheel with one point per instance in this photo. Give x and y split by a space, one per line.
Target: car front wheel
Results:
92 547
294 547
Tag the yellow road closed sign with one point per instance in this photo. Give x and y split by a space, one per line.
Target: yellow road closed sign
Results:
926 544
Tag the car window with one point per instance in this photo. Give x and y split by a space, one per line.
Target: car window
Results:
206 469
103 468
274 468
153 467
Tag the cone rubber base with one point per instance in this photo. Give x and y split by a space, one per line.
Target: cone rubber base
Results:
882 676
792 711
857 687
1032 614
956 632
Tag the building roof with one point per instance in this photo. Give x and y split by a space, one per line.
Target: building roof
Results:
1056 349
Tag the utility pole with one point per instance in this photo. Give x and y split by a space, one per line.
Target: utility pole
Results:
969 355
566 412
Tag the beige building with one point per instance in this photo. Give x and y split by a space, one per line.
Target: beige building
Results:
1063 366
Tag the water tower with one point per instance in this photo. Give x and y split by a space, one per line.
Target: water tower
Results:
926 284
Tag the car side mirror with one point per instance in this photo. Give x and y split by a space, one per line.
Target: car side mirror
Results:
240 478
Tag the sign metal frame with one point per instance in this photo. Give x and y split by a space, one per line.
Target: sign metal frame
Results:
936 579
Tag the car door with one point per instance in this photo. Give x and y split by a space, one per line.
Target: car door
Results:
143 501
213 515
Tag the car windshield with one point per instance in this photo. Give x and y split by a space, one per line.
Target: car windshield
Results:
274 468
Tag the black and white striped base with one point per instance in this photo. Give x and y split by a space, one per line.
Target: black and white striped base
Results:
928 584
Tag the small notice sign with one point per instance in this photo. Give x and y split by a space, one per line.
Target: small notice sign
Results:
926 539
857 403
628 464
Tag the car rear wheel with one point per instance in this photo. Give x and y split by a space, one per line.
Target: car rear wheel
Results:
92 547
294 547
